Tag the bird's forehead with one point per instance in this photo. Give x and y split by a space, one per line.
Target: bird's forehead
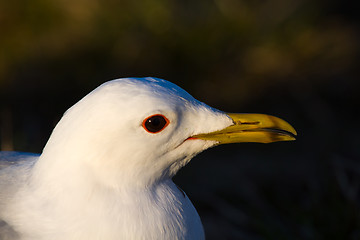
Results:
147 91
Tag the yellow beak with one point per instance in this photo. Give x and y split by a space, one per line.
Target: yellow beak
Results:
259 128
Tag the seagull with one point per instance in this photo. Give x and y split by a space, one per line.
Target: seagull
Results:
106 171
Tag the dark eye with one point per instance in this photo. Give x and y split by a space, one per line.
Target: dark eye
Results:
155 123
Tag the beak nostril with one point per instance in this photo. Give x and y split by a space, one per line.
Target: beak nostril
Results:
248 123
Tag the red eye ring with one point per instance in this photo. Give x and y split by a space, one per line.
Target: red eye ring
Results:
155 123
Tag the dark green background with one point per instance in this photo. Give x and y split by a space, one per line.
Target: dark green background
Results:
297 59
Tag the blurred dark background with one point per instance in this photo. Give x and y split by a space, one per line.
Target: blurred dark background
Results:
298 60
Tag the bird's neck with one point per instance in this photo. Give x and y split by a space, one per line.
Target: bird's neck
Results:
72 177
158 212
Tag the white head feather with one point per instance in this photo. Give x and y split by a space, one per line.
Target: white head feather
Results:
103 132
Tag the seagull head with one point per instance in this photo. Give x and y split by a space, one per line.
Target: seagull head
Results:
138 131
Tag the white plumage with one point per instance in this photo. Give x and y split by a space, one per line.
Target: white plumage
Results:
103 175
